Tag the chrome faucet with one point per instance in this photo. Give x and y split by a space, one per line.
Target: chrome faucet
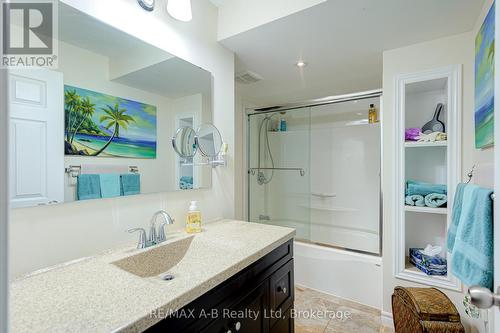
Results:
154 237
167 219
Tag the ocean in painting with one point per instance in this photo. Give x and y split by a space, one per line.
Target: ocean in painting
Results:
102 125
484 82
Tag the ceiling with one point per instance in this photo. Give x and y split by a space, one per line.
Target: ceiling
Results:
169 76
173 78
342 41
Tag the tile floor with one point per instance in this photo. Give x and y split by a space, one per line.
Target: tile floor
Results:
317 313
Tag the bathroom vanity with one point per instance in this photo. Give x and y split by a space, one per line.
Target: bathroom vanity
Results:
233 277
258 299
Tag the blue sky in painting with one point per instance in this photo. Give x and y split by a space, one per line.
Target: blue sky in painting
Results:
483 67
144 127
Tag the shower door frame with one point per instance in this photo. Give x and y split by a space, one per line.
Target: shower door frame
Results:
378 93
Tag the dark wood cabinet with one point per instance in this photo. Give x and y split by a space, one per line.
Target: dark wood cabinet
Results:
257 299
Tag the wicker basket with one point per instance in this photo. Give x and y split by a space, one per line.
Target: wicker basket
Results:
424 310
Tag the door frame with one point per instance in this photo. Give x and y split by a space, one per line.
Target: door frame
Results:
4 202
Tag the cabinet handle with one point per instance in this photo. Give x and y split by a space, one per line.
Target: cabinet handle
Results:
237 326
282 289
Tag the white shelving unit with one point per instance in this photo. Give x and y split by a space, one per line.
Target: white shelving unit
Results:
427 210
416 97
411 144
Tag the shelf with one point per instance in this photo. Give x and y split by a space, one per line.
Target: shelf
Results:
428 210
412 144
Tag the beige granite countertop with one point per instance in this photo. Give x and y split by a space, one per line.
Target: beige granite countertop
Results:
93 295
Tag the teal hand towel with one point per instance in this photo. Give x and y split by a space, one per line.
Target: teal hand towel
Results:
415 200
130 184
420 188
435 200
455 216
88 187
472 256
110 185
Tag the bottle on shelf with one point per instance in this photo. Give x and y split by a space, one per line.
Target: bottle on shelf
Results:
372 114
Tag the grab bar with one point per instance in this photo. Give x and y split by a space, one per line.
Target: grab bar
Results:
324 195
302 171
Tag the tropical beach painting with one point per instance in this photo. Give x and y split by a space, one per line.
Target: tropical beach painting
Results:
101 125
485 76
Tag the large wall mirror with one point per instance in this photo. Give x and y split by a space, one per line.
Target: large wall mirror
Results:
101 125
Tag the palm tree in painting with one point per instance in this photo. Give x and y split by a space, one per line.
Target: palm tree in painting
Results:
86 110
72 102
114 117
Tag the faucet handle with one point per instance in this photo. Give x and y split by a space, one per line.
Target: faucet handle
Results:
142 237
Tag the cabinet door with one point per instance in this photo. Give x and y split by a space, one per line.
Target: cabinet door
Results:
249 315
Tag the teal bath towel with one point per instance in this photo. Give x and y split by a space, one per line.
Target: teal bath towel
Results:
110 185
88 187
130 184
420 188
455 216
415 200
435 200
472 256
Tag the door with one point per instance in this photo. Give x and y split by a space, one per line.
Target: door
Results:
36 137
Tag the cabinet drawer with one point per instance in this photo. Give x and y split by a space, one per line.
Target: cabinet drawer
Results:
282 292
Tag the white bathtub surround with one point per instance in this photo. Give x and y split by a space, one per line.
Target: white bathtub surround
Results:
108 299
350 275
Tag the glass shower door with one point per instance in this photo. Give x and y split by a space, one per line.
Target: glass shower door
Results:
345 176
279 175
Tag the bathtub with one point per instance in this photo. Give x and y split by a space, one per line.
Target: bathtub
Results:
350 275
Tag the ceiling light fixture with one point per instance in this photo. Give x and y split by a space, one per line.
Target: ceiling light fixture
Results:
180 10
148 5
301 64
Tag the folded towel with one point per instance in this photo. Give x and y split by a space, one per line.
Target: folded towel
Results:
110 185
130 184
415 200
472 256
88 187
421 188
435 200
455 216
187 179
412 134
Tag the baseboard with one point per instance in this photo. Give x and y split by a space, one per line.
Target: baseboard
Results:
386 319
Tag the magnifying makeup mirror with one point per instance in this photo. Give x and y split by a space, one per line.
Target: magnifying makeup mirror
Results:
209 140
184 142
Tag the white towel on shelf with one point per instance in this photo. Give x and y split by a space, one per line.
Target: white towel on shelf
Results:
104 168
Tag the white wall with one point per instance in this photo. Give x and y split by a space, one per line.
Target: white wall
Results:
237 16
4 203
458 49
45 236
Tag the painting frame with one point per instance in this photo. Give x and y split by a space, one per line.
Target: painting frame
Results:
102 125
484 94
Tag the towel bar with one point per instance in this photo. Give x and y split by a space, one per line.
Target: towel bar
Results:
471 174
75 170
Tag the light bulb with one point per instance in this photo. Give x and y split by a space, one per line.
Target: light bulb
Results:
180 10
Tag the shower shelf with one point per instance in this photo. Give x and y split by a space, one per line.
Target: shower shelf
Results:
426 144
426 210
